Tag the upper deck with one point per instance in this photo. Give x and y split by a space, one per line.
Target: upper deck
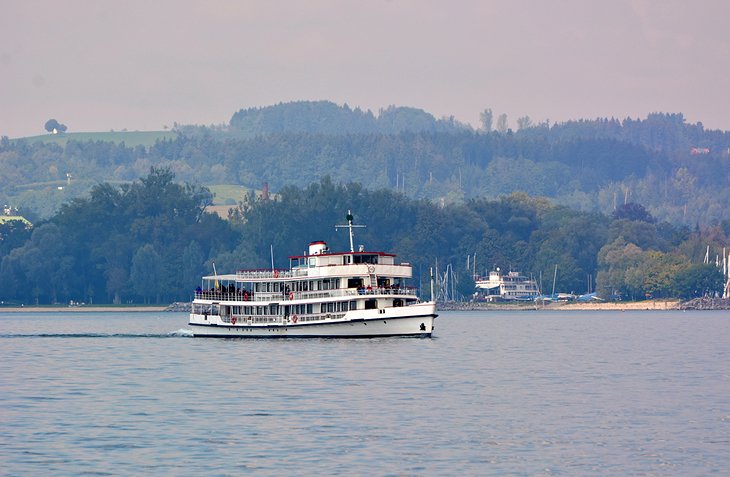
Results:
319 262
335 265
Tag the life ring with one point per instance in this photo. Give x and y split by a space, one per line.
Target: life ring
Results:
294 318
233 320
276 273
291 295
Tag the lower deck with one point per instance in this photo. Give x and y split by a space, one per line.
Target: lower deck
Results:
292 312
413 320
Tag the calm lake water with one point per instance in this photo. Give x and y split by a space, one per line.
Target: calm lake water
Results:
498 393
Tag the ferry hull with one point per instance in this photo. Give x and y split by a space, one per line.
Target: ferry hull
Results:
416 325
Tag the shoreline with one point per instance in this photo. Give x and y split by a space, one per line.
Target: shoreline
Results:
647 305
625 306
80 309
644 305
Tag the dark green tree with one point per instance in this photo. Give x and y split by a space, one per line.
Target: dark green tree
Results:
53 125
146 273
698 280
634 212
486 118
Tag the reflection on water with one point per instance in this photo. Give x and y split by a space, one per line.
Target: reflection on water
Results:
526 393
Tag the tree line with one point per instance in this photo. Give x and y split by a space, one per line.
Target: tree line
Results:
149 241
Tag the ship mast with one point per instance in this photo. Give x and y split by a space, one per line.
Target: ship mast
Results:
350 226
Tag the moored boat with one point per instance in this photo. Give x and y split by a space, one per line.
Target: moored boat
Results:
354 294
512 286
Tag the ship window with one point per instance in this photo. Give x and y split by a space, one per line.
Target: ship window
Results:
344 306
309 308
330 307
371 304
312 262
366 259
353 305
323 308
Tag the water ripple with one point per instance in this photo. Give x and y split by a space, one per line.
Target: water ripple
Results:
495 394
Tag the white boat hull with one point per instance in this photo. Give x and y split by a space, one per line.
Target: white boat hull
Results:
415 320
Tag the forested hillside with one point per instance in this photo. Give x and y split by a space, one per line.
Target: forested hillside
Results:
678 171
324 117
150 241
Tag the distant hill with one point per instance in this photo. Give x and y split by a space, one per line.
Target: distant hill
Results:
326 117
677 170
129 138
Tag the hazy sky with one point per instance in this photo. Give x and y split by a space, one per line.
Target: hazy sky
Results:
99 65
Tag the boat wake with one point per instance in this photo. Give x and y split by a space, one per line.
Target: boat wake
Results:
181 333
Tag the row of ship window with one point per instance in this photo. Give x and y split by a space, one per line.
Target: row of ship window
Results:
515 287
304 285
331 307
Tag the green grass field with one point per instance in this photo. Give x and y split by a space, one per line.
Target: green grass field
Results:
227 194
129 138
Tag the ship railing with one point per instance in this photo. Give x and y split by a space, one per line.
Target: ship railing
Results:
278 319
224 296
388 291
302 295
263 273
305 295
319 317
354 292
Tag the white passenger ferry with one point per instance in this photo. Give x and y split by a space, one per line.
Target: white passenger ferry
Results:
512 286
322 294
